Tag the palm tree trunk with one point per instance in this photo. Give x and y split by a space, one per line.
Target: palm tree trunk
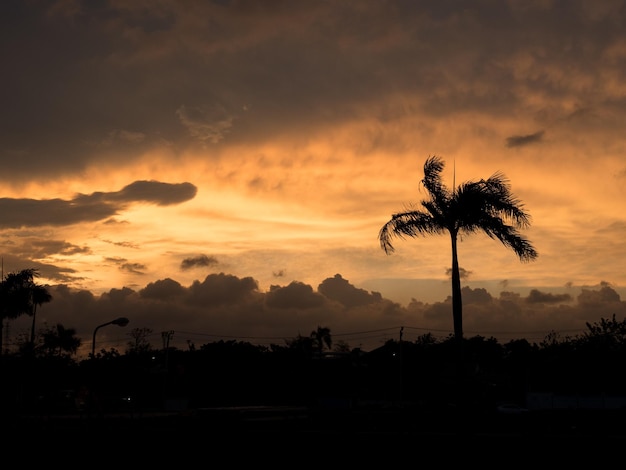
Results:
457 304
457 318
32 327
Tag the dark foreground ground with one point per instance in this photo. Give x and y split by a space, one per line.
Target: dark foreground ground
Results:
295 437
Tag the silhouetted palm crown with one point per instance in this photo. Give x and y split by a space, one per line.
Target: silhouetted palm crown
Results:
484 205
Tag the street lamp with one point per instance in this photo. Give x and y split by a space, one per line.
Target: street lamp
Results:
121 321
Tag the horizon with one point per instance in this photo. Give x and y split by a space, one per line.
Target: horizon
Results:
225 307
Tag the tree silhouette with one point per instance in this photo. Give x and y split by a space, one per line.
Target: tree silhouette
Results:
321 336
16 296
473 206
39 296
140 343
58 339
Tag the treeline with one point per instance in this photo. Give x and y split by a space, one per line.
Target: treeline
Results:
312 371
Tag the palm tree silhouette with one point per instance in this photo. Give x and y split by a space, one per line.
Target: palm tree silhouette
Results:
473 206
15 296
59 339
39 296
321 336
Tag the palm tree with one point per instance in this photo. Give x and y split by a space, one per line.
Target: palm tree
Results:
473 206
39 296
15 296
60 339
321 337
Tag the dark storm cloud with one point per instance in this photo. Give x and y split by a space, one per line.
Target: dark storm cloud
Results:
154 192
117 296
295 295
339 289
165 289
522 140
475 296
17 213
512 316
85 84
591 297
218 289
536 296
198 261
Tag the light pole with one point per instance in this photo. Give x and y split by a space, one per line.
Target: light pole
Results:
121 321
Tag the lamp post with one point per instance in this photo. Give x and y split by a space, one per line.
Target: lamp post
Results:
121 321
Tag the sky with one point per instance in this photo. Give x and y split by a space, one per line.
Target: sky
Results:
221 169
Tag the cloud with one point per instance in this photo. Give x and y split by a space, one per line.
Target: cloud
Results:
536 296
295 295
122 244
475 296
591 297
117 296
165 289
17 213
135 268
206 123
217 289
43 247
522 140
198 261
154 192
339 289
49 271
514 316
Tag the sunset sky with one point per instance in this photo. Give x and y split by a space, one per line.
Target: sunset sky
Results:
221 169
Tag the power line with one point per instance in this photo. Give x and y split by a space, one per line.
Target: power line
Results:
380 330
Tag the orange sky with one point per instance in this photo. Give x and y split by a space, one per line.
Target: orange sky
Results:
196 143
